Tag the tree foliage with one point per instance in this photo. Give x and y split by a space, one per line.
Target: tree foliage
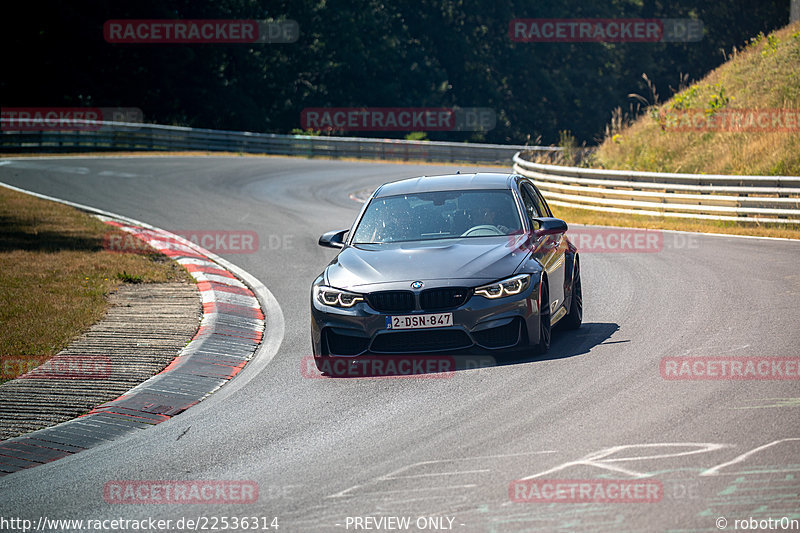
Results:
422 53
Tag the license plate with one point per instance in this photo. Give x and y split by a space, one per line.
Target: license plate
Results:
435 320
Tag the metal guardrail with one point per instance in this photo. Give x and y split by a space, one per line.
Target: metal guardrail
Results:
759 199
99 136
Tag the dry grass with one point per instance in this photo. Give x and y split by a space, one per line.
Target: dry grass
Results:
55 273
764 75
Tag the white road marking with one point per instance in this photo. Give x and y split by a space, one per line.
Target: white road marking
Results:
395 474
594 459
714 471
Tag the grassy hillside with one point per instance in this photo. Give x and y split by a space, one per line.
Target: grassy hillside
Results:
765 75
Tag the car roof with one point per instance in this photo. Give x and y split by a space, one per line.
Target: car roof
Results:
447 182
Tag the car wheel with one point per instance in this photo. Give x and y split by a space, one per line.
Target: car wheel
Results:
544 318
575 317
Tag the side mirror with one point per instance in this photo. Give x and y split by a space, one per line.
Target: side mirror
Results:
333 239
549 226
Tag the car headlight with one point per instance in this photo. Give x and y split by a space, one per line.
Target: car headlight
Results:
506 287
336 297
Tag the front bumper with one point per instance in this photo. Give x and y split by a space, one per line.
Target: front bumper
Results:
480 323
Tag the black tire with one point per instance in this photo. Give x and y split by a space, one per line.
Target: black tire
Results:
545 330
574 319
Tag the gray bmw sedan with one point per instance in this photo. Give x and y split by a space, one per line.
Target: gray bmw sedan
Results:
446 264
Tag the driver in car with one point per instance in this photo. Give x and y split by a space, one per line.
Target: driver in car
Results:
489 216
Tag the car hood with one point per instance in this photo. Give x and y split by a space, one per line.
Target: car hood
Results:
483 259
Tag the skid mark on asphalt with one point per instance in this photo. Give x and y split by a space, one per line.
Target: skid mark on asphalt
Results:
64 169
69 169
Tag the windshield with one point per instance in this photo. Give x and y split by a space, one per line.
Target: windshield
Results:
438 215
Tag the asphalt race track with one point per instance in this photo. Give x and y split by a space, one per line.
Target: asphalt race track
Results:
596 408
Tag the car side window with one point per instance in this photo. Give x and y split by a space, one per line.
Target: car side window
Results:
541 206
528 201
544 207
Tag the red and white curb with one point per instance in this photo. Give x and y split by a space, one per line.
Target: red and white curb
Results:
237 312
